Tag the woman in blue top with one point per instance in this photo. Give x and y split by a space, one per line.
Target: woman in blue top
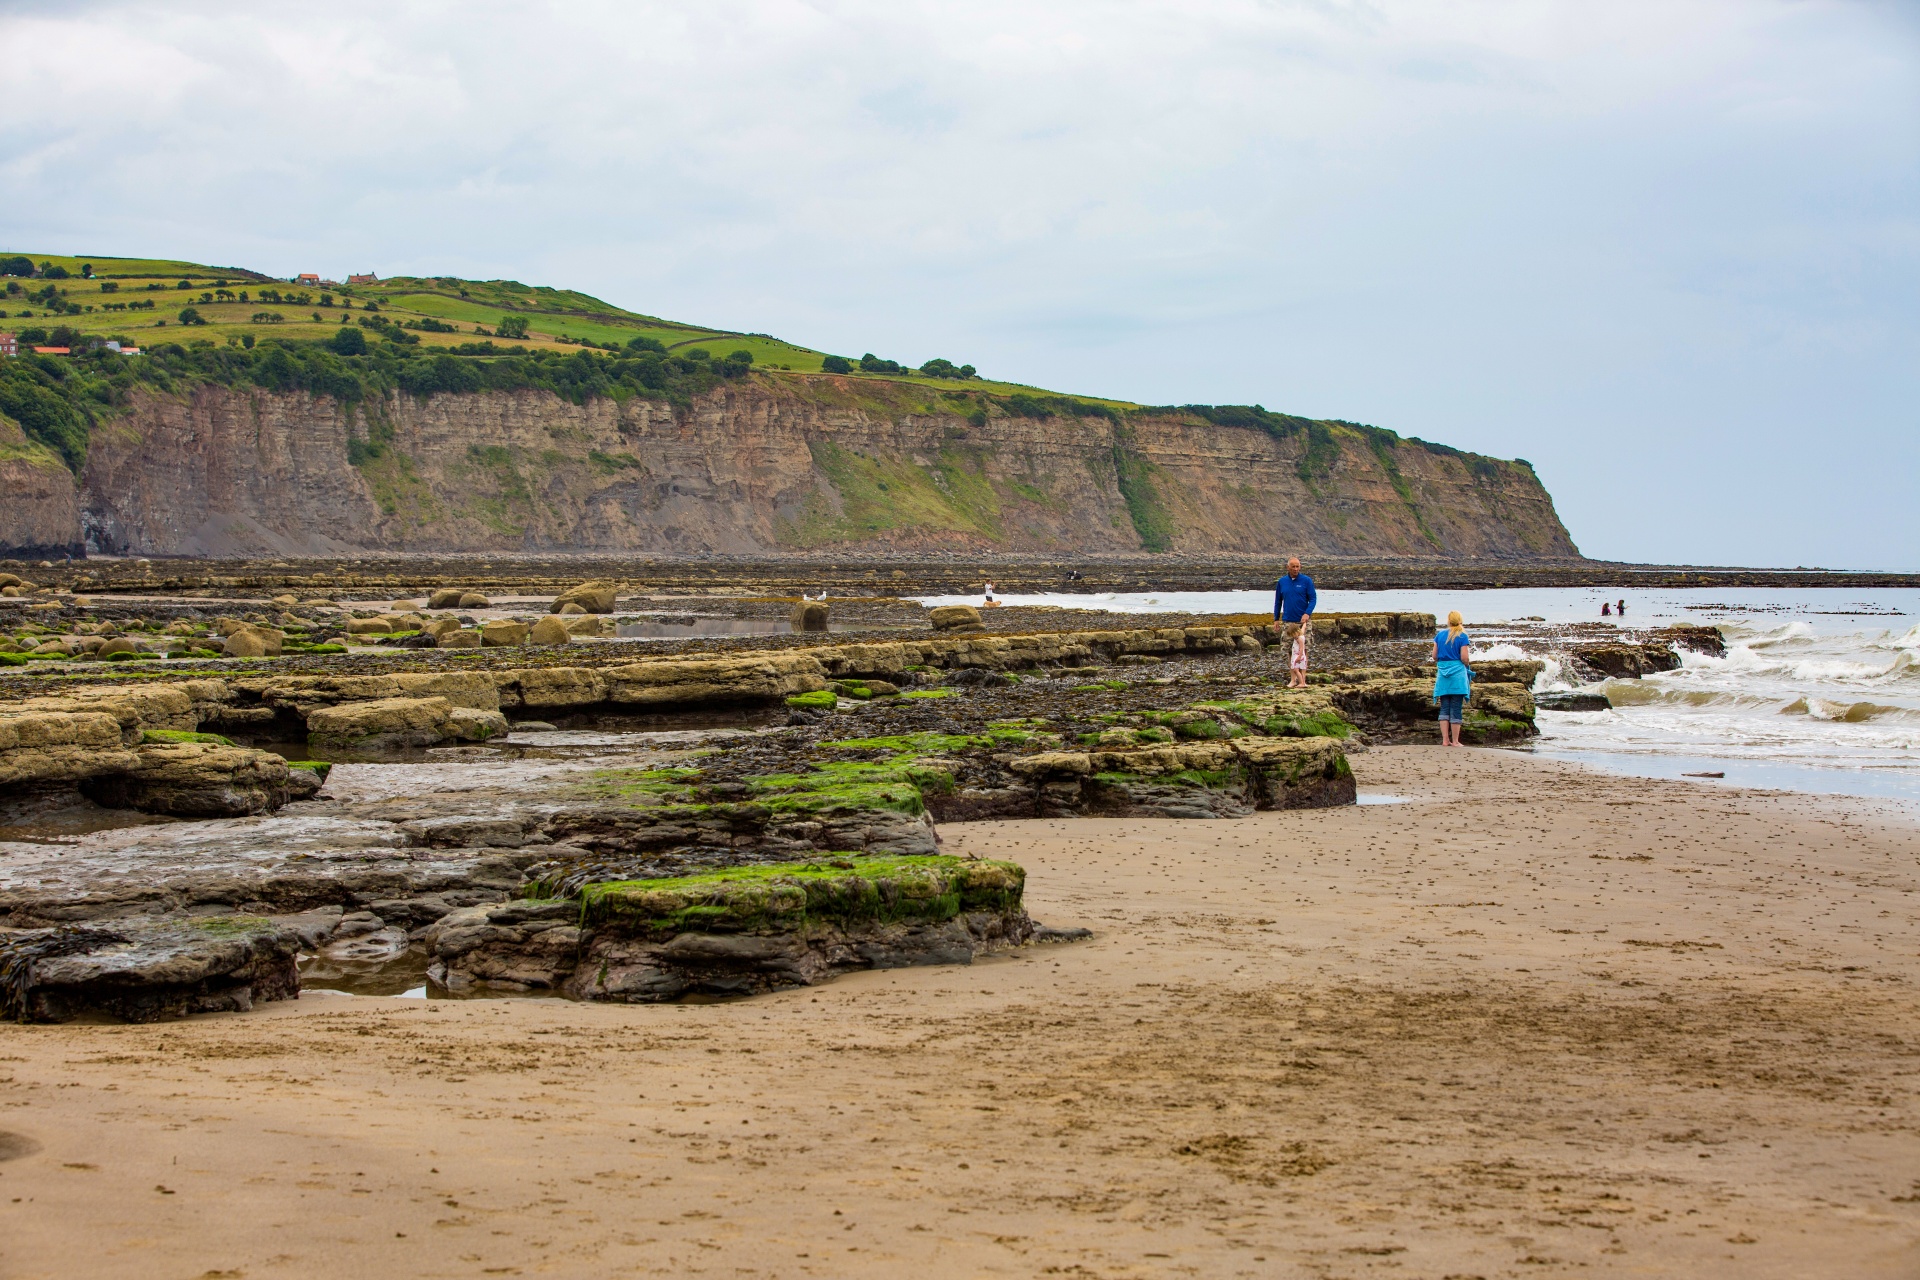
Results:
1452 679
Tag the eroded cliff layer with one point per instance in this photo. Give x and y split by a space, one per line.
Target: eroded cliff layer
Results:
41 513
762 464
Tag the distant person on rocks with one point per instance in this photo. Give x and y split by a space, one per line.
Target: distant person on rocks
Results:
990 599
1452 677
1293 603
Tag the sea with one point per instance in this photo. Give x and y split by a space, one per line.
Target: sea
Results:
1819 690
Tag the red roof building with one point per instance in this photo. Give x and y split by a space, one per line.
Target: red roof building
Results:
308 277
368 278
53 351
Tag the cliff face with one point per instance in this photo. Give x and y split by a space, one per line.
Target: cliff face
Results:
40 515
764 464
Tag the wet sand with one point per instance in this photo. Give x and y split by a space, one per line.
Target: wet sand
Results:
1535 1022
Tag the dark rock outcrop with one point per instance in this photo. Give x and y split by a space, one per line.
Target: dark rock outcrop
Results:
141 970
1697 639
1572 700
1624 661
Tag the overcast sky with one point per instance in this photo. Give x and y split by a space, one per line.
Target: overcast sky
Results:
1668 251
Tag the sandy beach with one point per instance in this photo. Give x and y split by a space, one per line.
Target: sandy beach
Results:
1534 1021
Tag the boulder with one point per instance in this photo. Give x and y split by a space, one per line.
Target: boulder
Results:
955 618
1508 701
253 642
503 633
474 600
440 626
549 630
1625 661
142 969
195 780
810 615
470 725
285 601
446 598
457 639
372 626
1692 637
117 644
570 607
588 625
592 597
384 724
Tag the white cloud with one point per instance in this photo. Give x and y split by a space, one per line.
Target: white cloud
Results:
1594 235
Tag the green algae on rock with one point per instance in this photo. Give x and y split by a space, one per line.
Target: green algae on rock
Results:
738 930
843 891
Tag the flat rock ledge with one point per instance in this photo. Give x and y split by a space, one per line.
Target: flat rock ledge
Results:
143 970
738 932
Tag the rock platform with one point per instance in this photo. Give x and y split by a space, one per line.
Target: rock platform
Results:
413 814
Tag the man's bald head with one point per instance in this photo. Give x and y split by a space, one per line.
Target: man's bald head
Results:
1293 564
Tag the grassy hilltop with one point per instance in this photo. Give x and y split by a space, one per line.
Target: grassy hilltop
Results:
141 301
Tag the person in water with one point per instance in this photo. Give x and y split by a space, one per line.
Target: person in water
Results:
1621 608
1293 602
1452 677
1606 610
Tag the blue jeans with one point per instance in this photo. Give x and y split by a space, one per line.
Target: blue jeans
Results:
1453 706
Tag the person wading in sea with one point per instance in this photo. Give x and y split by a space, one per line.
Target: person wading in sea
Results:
1293 602
1452 677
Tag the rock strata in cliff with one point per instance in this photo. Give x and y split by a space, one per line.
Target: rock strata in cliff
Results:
41 516
761 464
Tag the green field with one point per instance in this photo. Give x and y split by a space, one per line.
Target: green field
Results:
140 301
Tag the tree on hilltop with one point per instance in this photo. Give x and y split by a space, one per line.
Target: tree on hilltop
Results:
938 368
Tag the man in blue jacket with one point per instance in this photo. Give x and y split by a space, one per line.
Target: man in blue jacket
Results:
1293 601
